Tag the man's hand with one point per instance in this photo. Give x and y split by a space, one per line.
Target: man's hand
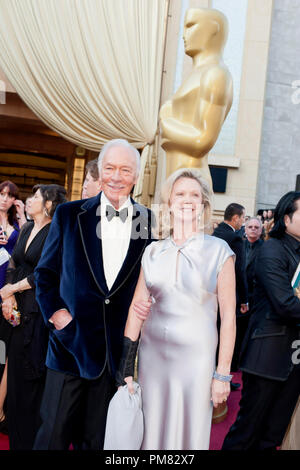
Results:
61 318
244 308
142 309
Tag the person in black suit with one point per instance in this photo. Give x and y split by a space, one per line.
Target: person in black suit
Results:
269 357
253 242
85 282
234 218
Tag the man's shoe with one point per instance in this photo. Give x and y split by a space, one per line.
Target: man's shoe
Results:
234 386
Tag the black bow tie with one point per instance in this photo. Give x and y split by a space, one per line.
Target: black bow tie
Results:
111 213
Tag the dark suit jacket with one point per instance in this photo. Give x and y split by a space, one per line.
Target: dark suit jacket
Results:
267 349
70 275
252 249
236 243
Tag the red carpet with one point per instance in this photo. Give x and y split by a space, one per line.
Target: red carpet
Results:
4 445
218 431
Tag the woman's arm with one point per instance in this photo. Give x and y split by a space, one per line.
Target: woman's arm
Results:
10 289
134 324
227 306
131 336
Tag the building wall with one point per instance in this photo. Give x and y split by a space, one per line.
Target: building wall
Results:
280 146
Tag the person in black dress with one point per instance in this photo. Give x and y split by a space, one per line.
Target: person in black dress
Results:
28 344
10 211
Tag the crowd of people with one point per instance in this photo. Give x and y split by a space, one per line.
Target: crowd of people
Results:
87 285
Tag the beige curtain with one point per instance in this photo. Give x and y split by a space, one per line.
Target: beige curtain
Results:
90 69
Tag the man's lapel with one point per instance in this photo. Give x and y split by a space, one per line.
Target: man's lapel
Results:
90 231
138 241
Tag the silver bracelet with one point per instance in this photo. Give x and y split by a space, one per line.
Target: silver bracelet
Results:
222 378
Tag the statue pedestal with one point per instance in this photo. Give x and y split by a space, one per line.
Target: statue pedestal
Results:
220 413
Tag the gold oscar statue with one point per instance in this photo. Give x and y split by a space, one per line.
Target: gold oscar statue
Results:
191 121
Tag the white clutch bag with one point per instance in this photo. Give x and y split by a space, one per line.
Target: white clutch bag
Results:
125 421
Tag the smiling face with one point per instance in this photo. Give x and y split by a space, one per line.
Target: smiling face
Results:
186 200
6 200
118 174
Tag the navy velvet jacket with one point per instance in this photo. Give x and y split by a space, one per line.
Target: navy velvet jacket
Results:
70 275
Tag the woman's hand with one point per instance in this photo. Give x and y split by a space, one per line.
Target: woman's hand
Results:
219 392
3 238
20 207
7 291
142 309
7 306
129 381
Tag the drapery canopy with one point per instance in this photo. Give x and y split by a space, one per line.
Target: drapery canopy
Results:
90 69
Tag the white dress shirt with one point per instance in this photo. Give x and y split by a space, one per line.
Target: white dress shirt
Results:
115 236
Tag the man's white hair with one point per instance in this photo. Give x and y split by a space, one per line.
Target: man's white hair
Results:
253 218
119 143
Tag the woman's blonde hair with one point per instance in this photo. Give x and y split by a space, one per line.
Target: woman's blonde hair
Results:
164 226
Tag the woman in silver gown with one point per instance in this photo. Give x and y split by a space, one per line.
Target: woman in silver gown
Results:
187 274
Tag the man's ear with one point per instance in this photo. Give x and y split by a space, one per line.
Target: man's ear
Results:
234 218
286 220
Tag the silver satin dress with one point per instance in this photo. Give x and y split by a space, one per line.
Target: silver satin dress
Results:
178 343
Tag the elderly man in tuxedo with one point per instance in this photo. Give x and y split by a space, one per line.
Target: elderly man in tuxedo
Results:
85 282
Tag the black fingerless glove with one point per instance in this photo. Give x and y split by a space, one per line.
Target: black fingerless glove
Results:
126 365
